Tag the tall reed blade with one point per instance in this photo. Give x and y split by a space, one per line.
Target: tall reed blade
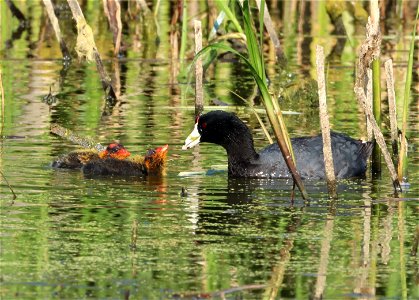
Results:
273 110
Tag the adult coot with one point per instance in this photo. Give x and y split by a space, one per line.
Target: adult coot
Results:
78 158
227 130
153 163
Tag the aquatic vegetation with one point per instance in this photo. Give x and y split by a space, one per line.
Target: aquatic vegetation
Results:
70 236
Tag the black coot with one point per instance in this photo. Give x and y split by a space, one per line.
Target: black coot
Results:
227 130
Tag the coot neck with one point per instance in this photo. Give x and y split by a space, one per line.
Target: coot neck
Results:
239 146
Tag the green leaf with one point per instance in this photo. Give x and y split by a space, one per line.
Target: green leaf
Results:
222 5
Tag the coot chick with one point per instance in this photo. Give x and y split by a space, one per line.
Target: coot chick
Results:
78 158
227 130
153 163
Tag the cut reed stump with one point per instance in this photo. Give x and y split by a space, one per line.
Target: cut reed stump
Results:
54 22
325 125
86 47
199 93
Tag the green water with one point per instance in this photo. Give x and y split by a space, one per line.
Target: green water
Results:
71 237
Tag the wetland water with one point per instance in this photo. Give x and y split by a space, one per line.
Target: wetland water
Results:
71 237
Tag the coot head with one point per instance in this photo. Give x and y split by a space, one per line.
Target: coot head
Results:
115 150
222 128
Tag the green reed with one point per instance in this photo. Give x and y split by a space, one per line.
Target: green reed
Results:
402 166
376 107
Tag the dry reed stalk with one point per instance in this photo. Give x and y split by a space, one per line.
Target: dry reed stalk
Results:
325 125
392 104
86 47
279 53
156 8
73 137
54 22
368 51
265 131
199 93
112 10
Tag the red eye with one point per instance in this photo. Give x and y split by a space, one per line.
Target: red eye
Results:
203 125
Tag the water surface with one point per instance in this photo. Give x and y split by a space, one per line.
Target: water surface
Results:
72 237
